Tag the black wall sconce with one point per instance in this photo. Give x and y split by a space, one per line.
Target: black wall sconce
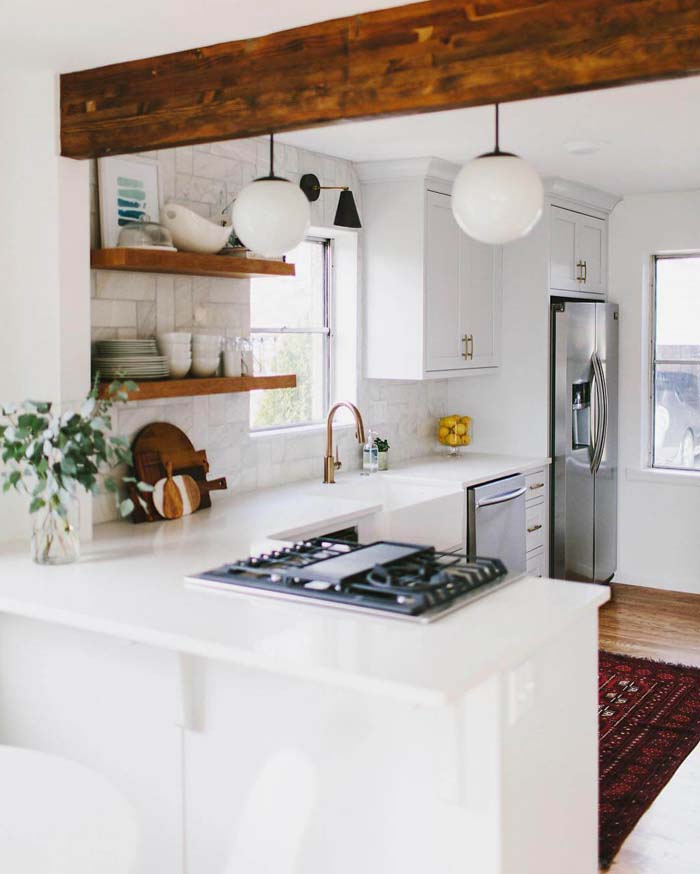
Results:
346 215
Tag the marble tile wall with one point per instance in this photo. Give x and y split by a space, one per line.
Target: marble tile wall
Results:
206 178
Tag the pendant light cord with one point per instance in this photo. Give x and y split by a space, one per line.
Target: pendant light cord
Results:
497 149
272 156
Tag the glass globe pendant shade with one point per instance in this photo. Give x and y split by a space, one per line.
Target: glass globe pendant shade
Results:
497 198
271 216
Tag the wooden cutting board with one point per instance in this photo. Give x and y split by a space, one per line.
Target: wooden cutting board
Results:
157 445
188 491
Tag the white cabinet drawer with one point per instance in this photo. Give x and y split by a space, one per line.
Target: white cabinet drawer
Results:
536 563
535 519
536 485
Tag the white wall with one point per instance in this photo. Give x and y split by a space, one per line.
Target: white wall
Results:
44 266
138 304
658 513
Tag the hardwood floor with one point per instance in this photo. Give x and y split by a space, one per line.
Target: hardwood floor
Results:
661 625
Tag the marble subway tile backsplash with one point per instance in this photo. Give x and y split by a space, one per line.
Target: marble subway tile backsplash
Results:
206 178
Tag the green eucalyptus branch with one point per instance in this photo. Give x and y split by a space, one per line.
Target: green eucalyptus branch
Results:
48 455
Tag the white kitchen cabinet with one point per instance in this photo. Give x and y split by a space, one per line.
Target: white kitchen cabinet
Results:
109 705
536 563
578 252
537 522
433 294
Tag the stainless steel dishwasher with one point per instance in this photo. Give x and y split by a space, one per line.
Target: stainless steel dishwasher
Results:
496 521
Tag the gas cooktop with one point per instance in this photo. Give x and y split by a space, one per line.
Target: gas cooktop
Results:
391 579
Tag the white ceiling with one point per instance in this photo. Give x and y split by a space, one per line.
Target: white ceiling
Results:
649 136
68 35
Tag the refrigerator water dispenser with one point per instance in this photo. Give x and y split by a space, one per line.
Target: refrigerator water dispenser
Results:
580 415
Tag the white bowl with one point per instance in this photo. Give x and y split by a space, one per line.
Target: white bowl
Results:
175 337
206 357
176 351
174 344
205 367
191 232
207 340
178 369
175 348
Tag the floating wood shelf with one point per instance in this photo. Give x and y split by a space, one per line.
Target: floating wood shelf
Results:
186 263
215 385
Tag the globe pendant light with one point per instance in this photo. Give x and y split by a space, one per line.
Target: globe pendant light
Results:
271 215
497 197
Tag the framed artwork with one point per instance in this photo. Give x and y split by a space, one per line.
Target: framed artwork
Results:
128 191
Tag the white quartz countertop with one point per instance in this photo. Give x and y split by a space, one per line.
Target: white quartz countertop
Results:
130 584
466 469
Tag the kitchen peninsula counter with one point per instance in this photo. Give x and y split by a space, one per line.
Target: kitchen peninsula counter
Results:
129 583
253 735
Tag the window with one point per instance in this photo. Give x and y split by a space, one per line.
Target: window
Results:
675 361
290 329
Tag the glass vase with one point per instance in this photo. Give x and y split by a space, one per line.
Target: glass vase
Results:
56 535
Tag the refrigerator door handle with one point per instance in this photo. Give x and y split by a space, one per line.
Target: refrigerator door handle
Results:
501 499
604 429
595 413
601 413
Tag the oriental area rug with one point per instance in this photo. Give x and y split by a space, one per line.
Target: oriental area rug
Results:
649 722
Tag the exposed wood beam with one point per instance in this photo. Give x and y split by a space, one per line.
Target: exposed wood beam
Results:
426 56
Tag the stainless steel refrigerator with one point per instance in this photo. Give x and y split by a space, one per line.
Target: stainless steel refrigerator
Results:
584 440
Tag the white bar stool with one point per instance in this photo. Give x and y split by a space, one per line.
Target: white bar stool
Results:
58 817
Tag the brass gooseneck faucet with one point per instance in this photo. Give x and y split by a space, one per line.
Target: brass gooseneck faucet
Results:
331 464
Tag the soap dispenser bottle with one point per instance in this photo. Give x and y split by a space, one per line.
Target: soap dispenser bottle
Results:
370 455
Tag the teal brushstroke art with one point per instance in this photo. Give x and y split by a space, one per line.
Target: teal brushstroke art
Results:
123 181
131 197
126 217
128 194
133 193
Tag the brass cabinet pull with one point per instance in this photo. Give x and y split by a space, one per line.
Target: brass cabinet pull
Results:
585 270
468 341
579 271
535 486
533 528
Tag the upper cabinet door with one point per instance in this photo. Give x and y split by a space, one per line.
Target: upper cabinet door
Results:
591 255
444 298
480 290
578 252
563 269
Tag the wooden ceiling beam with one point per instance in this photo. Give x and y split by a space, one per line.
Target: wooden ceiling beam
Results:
442 54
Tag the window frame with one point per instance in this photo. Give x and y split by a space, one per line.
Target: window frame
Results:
326 330
654 361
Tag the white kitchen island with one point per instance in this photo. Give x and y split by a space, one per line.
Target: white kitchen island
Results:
255 736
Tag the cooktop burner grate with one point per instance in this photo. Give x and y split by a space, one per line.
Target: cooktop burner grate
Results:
404 580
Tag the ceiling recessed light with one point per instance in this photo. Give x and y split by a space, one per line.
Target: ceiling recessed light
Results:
583 147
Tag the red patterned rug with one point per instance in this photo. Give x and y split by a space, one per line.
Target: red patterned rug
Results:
649 722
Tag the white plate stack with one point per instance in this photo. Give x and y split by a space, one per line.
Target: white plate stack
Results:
129 359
